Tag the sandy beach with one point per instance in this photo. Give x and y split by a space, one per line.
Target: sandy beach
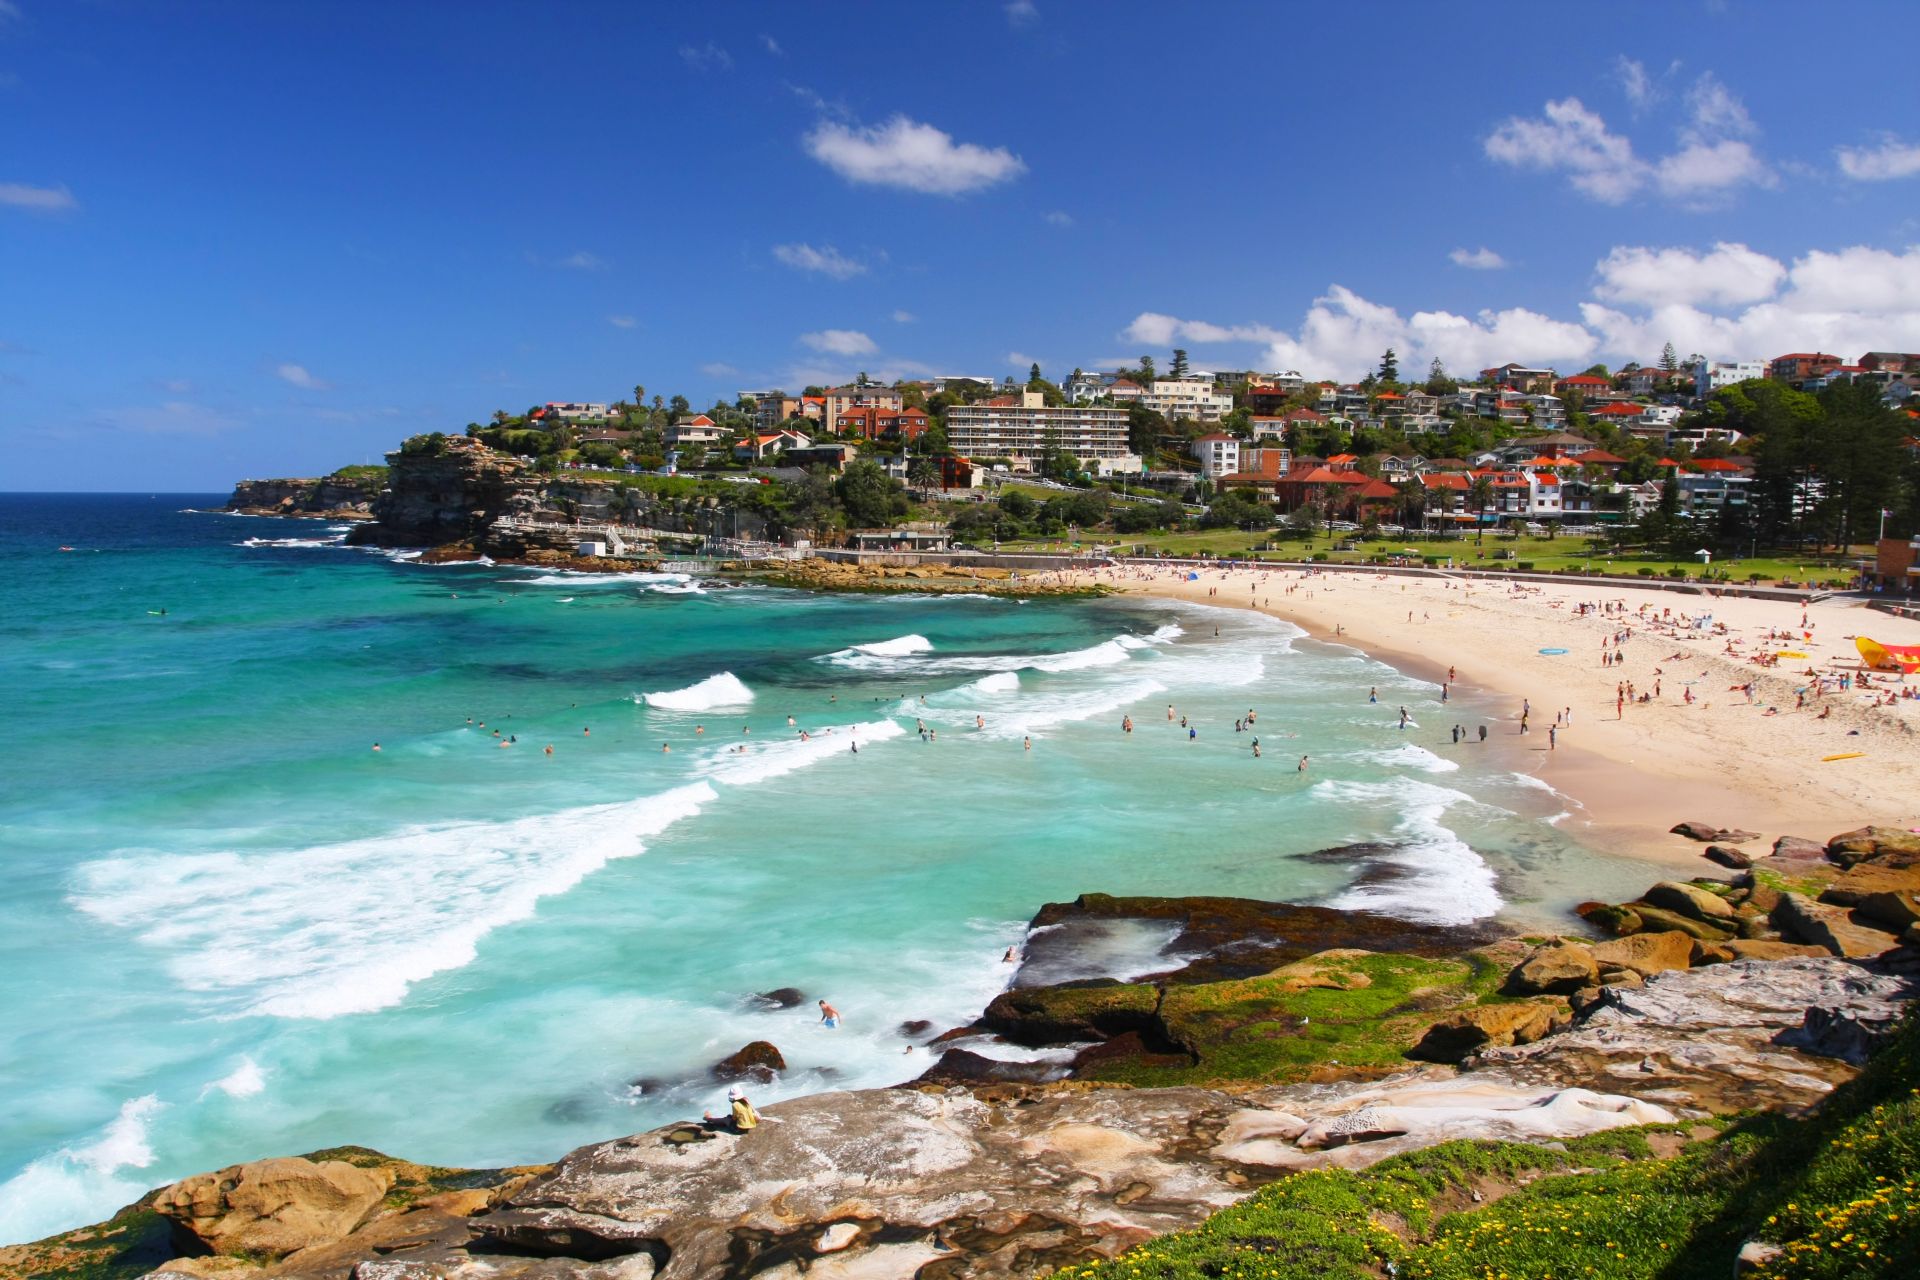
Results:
1636 768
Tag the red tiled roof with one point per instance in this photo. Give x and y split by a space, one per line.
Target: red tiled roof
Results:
1617 410
1717 464
1586 380
1599 456
1376 489
1445 480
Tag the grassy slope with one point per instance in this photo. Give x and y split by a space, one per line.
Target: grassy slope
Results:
1839 1190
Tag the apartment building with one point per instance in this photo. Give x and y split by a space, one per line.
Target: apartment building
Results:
1711 375
1024 428
1219 455
840 400
1194 399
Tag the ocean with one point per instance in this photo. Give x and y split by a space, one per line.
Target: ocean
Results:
232 929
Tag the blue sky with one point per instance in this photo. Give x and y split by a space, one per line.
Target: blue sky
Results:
243 239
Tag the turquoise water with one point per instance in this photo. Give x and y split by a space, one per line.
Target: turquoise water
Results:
232 929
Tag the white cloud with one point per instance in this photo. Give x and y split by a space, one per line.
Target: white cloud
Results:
18 195
8 10
772 45
912 156
904 317
1891 159
706 57
1057 218
582 261
1021 13
1635 82
718 369
1728 274
1728 302
297 375
840 342
622 322
1481 259
1021 360
1571 138
826 260
1156 330
1713 159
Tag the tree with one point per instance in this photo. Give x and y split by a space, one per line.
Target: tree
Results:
1179 367
1862 458
679 406
923 471
1669 359
1033 374
1146 368
1017 505
1596 371
639 394
1389 367
1479 497
1144 428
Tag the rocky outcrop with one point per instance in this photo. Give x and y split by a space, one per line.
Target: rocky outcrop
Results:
450 493
1709 1039
756 1061
1559 968
1831 927
336 497
1462 1034
1707 833
271 1208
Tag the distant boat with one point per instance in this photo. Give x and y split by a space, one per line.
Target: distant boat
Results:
66 548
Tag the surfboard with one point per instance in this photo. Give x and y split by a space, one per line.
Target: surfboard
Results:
1845 755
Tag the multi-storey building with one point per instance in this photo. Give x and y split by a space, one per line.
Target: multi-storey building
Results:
839 400
1193 399
1219 454
1711 375
1799 366
1024 429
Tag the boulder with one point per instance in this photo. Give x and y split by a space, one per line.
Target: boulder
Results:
755 1061
963 1067
1800 849
1661 920
1486 1026
836 1237
1728 856
1853 846
1831 927
783 998
1709 953
1760 949
1847 1034
1884 894
1691 900
1620 978
1556 969
1707 833
913 1028
1616 920
1647 953
271 1208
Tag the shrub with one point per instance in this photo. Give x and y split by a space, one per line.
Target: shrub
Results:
1645 572
1319 555
1524 566
1676 574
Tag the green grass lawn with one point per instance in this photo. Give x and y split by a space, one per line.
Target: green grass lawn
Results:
1545 554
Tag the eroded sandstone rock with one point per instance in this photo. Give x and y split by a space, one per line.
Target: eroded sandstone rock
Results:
271 1208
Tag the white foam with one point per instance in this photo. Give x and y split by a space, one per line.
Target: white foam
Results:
998 682
1042 711
667 582
349 927
290 542
66 1188
898 647
1444 881
244 1081
1537 784
722 690
770 758
1409 755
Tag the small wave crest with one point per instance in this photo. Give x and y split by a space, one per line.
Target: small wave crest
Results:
898 647
1440 879
350 927
722 690
66 1188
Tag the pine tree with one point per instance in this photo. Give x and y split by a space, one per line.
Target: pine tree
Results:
1033 374
1179 369
1389 367
1669 359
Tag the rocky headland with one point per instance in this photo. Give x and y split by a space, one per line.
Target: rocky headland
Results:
1243 1043
342 496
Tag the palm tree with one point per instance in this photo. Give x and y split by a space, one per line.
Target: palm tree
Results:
1480 497
923 470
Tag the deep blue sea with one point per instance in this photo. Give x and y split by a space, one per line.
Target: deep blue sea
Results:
231 928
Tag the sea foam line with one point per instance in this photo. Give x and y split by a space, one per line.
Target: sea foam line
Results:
1445 881
349 927
723 689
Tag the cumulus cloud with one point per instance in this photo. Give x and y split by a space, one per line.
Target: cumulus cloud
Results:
840 342
297 376
1481 259
718 369
1021 13
1153 329
1891 159
622 322
903 316
910 155
1726 274
826 260
1021 360
18 195
583 261
706 57
1727 301
1715 155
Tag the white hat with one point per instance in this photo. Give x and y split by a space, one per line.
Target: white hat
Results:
736 1093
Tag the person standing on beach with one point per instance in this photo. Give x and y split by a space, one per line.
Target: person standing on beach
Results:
1483 733
1553 737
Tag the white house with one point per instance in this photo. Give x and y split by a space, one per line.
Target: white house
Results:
1711 375
1219 455
699 429
1191 398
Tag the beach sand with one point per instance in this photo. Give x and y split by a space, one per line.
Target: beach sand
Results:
1722 759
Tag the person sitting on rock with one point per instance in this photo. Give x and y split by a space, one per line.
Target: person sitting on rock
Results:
742 1117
